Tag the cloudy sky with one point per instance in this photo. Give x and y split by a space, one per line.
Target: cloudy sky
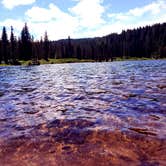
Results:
80 18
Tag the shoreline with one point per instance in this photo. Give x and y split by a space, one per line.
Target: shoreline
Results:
74 60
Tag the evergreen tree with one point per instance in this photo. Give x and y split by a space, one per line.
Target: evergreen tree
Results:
62 50
149 41
26 44
70 48
78 52
40 49
46 46
12 47
5 43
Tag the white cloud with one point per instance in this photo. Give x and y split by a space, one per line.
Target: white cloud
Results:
88 12
58 23
133 18
153 9
83 16
53 13
10 4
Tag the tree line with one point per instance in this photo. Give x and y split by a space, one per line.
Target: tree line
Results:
22 48
148 42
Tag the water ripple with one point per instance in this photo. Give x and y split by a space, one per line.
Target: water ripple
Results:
118 95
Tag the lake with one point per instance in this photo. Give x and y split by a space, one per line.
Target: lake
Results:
84 114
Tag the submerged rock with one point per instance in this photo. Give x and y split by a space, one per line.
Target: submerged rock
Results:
162 86
1 93
143 131
29 110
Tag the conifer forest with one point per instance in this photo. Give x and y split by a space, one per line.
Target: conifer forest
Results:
148 42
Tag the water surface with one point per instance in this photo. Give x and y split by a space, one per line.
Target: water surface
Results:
104 109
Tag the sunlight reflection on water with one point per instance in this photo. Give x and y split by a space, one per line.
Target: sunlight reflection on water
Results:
84 114
112 95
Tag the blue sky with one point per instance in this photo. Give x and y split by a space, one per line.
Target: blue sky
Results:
80 18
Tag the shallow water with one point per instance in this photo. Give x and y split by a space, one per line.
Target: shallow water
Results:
85 107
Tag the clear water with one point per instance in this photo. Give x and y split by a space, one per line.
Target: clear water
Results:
129 97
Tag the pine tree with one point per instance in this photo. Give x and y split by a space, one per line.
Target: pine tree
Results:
78 52
40 47
69 50
46 46
62 49
26 44
13 43
5 46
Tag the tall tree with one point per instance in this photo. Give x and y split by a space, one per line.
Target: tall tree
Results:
69 49
5 43
46 46
78 52
13 43
26 44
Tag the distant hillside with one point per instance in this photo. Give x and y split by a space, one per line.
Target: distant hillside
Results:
149 41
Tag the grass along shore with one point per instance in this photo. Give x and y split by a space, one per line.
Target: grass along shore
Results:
74 60
51 61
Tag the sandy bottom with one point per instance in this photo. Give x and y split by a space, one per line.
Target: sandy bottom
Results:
70 144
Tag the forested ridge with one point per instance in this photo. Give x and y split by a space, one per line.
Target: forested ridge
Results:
148 42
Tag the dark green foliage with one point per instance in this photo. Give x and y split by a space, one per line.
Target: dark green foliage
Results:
26 44
147 42
46 47
78 52
4 47
13 48
163 52
69 49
